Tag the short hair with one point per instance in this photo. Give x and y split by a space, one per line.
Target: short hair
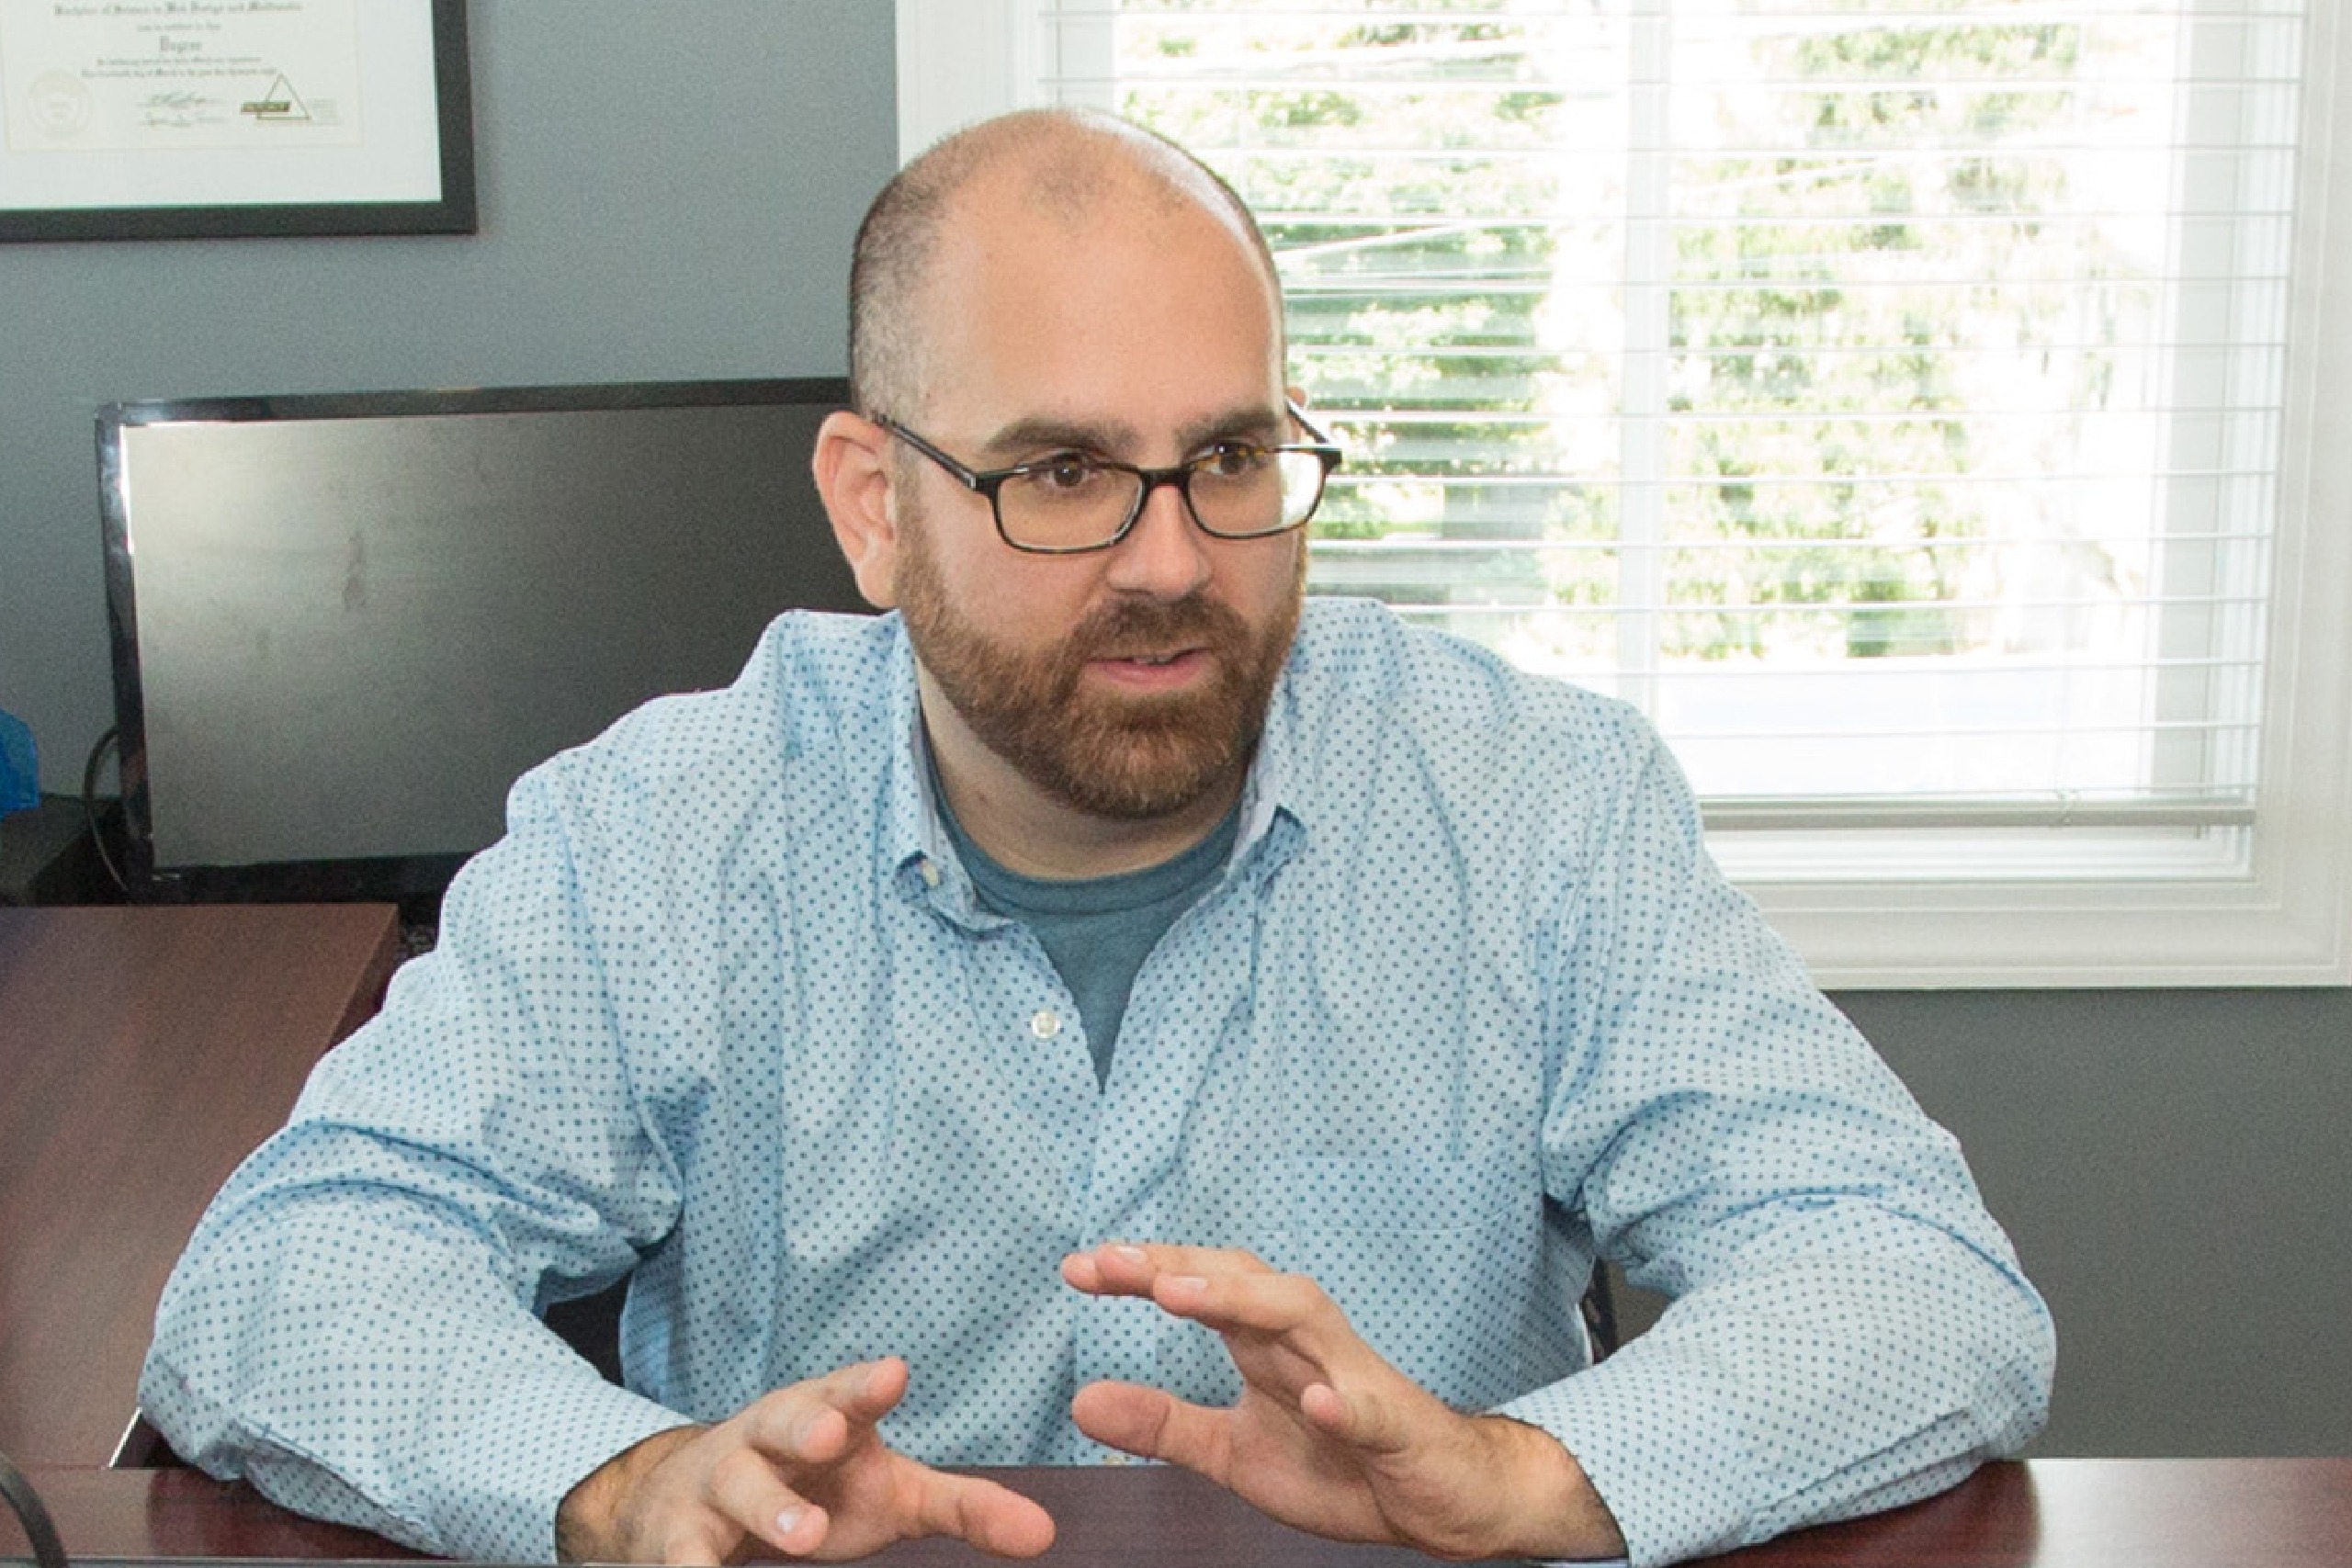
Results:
1073 158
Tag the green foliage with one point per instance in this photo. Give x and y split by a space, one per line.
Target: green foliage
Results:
1449 201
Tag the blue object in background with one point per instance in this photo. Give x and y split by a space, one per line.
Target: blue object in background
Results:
19 767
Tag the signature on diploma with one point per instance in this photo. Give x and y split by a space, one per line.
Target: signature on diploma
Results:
179 110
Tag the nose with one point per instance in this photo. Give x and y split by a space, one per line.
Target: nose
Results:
1165 555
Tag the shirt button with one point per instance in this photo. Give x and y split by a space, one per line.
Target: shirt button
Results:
1044 1023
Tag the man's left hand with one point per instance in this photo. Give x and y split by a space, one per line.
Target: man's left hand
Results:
1328 1437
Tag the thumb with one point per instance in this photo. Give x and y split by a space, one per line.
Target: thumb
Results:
1361 1419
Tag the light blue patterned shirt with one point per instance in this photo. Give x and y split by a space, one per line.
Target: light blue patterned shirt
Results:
1467 1005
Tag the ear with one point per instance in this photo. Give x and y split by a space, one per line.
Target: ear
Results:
853 471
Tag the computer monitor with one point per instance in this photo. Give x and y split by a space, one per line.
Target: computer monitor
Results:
344 623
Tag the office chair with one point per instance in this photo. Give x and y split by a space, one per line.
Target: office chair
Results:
1599 1308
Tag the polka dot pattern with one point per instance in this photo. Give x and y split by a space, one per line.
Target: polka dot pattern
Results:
1467 1006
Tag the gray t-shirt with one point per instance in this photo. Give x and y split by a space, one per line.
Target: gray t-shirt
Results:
1097 929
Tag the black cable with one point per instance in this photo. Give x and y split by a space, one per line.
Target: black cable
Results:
90 809
39 1529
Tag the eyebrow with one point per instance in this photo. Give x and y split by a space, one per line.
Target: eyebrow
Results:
1049 433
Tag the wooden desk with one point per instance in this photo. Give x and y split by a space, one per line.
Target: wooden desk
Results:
143 1053
2045 1513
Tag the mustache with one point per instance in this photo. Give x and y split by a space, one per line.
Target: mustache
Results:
1135 625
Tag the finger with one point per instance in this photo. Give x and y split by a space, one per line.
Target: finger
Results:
745 1489
1154 1424
1289 1339
1265 1303
812 1422
1281 1329
866 1392
1080 1272
995 1518
1129 1268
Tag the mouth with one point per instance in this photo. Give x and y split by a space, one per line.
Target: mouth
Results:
1154 669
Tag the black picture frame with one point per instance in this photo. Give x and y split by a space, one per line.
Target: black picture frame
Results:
451 211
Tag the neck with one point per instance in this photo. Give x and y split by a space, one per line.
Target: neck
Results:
1026 831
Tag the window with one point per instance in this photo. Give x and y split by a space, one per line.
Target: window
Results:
1916 407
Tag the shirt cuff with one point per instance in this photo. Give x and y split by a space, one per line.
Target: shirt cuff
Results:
505 1510
1654 1438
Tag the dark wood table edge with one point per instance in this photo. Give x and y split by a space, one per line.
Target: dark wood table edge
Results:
2045 1513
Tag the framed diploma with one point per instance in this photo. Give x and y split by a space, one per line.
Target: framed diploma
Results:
170 120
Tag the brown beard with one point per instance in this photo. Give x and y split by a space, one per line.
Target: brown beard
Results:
1123 757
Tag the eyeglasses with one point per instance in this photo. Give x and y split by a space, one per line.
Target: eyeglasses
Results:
1071 503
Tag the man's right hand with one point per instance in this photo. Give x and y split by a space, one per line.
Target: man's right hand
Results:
801 1471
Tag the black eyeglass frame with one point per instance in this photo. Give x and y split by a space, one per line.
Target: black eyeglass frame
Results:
990 482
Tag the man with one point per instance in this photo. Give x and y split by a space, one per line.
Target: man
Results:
1099 1007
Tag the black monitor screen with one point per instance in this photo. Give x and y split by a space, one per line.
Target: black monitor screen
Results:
344 625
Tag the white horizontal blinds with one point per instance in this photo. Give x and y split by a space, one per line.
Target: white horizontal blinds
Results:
1883 395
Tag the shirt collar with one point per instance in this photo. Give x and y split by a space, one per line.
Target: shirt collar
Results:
916 850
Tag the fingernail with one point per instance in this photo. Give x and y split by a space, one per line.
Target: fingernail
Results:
1132 1254
791 1516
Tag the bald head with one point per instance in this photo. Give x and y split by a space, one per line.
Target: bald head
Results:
1067 168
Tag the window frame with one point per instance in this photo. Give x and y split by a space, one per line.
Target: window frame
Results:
2282 915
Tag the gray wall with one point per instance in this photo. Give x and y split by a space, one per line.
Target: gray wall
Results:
666 191
670 191
2170 1164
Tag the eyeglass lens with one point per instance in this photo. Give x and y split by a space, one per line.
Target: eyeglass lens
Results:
1235 493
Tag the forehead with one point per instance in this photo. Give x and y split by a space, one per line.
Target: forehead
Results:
1127 305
